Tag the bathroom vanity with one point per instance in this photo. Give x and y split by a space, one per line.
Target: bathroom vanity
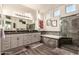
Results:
20 38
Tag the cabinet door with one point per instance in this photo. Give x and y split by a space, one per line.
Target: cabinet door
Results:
30 38
35 37
26 39
20 39
14 41
6 43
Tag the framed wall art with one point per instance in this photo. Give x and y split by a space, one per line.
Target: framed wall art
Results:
48 22
54 23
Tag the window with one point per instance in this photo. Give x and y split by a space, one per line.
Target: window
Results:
57 13
70 8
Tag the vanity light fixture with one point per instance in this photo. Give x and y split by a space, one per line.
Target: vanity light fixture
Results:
22 15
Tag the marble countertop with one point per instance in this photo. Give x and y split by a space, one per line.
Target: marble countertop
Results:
52 36
20 32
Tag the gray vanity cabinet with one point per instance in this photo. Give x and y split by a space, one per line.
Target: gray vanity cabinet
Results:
16 40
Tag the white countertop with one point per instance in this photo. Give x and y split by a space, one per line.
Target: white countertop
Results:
52 36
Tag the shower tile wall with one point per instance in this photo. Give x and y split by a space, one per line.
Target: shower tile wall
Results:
73 28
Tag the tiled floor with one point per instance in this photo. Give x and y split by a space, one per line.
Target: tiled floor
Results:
72 48
39 49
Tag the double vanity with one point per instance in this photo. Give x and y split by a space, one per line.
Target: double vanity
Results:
17 39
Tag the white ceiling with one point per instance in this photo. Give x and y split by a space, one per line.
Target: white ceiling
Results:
42 7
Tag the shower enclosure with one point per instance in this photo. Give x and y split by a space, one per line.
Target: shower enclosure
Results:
70 29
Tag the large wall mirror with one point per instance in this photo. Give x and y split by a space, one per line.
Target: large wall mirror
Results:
18 15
